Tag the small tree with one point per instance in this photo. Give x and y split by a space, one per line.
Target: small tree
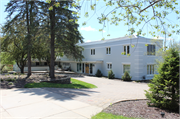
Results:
111 75
98 73
126 76
164 88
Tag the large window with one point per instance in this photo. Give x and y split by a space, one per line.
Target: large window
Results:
109 66
108 50
150 69
78 67
126 49
92 51
126 68
151 49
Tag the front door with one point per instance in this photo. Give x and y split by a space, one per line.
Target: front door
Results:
87 68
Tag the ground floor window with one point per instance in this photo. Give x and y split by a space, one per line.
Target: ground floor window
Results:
150 69
126 67
109 66
78 67
91 68
83 68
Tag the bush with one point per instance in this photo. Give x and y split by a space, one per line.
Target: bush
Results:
111 75
98 73
126 76
11 80
10 83
164 87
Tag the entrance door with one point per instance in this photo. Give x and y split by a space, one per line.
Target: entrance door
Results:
87 68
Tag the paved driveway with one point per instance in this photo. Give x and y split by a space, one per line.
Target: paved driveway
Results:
60 103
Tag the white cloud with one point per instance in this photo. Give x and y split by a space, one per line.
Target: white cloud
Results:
88 41
89 28
159 37
104 31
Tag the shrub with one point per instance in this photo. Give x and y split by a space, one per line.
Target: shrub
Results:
164 87
126 76
111 75
10 83
98 73
11 80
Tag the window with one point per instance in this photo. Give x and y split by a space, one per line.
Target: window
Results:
83 68
151 49
109 66
37 63
92 51
108 50
126 68
91 68
126 49
45 63
150 69
78 67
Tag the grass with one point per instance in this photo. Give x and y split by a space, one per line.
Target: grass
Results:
76 84
103 115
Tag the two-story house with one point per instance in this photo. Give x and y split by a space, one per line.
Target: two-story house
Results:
134 54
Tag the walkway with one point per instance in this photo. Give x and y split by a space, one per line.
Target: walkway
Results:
61 103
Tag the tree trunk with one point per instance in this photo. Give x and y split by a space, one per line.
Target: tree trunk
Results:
28 30
22 69
52 21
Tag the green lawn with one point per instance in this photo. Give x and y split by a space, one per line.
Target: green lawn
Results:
103 115
75 84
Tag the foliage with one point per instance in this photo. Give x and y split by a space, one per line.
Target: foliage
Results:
10 83
126 76
164 88
111 75
98 73
76 84
104 115
11 80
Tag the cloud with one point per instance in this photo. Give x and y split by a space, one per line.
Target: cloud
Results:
89 28
88 41
159 37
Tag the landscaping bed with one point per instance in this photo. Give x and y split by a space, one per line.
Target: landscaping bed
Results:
9 81
138 109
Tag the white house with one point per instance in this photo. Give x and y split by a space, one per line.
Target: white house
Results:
107 55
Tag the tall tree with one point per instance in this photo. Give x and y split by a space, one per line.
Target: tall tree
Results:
20 10
63 30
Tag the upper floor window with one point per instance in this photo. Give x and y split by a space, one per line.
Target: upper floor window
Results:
109 66
150 69
108 50
151 49
92 51
126 49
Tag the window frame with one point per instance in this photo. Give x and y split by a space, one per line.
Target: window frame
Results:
108 50
150 69
151 50
93 52
126 49
123 69
109 66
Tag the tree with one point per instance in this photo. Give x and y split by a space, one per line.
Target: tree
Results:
14 43
63 31
23 10
164 88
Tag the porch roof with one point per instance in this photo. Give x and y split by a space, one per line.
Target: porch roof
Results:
95 61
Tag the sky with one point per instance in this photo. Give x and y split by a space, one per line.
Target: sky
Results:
90 31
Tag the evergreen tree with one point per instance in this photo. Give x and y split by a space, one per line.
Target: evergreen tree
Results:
164 88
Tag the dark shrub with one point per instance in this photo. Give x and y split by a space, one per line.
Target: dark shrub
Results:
98 73
126 76
111 75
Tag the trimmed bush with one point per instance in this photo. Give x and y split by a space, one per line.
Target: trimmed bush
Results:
98 73
111 75
126 76
164 87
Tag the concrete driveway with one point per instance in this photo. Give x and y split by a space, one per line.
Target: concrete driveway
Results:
43 103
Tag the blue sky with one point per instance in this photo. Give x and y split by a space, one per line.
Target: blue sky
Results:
90 31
